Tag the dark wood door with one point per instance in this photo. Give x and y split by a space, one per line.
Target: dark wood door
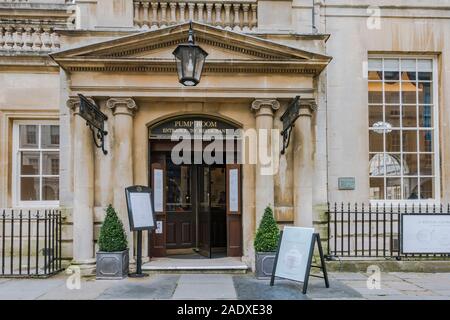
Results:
180 211
234 216
204 210
158 235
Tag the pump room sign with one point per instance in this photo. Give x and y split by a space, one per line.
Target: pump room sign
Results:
192 124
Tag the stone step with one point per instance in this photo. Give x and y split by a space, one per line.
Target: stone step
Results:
174 265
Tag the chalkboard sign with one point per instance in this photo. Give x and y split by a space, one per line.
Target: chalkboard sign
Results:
140 208
425 234
293 260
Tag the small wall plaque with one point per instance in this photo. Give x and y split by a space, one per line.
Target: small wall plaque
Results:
346 183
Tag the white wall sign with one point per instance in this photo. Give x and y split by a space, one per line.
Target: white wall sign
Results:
159 227
158 186
234 190
294 253
425 233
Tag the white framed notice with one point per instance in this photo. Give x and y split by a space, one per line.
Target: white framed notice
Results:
140 208
233 190
294 252
158 189
425 233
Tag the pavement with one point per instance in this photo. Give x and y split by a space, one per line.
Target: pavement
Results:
343 286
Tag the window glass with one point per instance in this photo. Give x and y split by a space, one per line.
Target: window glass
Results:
38 162
402 142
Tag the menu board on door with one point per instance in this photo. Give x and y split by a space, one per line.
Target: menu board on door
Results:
233 190
158 189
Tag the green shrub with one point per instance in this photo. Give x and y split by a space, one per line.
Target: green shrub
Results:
268 234
112 234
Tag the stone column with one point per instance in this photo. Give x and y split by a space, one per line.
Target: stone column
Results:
123 111
264 183
83 192
303 165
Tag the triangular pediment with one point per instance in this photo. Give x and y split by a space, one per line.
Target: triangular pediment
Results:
226 49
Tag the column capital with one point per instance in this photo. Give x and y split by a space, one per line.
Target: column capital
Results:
265 106
126 106
73 103
307 107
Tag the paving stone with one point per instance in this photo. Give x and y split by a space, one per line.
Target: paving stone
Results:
248 287
347 276
206 286
88 290
400 285
378 292
155 287
28 289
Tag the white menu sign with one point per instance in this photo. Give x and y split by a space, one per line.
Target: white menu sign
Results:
294 253
426 233
158 185
142 210
234 190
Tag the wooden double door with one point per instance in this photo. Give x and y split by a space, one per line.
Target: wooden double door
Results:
195 212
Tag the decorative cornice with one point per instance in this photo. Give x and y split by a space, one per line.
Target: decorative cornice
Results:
126 106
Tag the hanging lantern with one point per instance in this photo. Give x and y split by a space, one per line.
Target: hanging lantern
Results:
190 59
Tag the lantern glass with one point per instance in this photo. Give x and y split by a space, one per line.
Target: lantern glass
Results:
190 59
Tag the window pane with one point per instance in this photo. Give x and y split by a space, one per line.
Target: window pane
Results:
375 75
426 116
50 137
426 164
393 164
409 140
28 136
393 141
375 114
29 189
375 141
393 115
425 65
50 189
392 92
409 92
425 96
391 64
29 163
179 188
409 116
376 165
375 64
426 140
410 167
50 163
426 188
393 188
410 188
375 92
425 76
376 188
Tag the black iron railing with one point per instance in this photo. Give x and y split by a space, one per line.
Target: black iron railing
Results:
374 230
30 242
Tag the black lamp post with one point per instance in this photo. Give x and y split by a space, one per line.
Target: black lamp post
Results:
190 59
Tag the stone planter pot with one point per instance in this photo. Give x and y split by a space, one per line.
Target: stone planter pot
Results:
264 264
112 265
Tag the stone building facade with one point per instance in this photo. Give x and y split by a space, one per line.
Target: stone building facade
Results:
371 77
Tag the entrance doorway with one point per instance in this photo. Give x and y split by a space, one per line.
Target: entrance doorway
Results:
199 213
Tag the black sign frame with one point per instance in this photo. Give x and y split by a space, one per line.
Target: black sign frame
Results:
139 189
288 118
95 119
315 239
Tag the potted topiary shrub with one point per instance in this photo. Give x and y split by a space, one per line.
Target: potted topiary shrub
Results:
266 242
112 258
